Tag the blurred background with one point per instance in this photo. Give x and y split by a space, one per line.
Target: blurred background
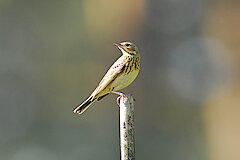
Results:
54 53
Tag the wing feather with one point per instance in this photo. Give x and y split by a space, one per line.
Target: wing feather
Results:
111 74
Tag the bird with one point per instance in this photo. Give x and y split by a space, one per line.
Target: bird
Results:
120 75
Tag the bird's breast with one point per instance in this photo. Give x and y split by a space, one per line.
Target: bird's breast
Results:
123 80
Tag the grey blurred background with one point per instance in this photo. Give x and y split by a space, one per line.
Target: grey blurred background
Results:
54 53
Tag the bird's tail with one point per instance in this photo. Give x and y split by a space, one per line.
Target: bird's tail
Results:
83 106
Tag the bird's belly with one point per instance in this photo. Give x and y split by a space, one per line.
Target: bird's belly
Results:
124 80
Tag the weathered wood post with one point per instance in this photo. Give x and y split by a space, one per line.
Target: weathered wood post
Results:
126 124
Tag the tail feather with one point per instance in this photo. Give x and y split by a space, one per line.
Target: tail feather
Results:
83 106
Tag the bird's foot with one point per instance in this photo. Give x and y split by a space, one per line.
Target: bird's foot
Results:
121 95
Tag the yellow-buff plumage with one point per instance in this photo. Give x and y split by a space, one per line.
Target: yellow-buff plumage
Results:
121 74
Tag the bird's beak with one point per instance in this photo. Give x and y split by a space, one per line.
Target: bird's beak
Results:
118 44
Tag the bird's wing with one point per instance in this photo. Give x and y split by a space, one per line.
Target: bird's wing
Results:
111 74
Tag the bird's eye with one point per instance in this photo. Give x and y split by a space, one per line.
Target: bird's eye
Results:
127 44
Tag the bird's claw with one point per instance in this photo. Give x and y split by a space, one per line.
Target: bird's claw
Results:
121 95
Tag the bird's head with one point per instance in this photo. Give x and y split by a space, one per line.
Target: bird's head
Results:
128 48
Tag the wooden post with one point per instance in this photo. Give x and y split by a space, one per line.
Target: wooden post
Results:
126 123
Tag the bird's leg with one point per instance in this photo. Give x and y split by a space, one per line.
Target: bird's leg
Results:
121 95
